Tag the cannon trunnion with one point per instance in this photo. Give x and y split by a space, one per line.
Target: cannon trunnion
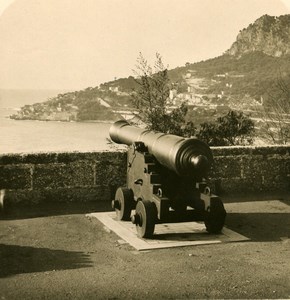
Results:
166 181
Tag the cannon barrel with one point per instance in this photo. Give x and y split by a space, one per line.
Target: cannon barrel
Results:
185 156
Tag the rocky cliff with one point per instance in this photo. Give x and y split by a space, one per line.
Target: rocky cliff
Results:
270 35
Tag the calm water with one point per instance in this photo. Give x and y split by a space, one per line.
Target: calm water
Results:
42 136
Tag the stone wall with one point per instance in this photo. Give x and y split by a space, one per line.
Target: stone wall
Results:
61 177
252 170
94 176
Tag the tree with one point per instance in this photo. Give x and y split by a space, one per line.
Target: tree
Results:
152 100
276 111
234 128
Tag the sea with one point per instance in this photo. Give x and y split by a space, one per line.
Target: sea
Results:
27 136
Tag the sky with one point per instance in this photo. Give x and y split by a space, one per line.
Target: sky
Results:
74 44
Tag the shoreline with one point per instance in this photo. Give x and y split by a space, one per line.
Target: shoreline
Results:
64 121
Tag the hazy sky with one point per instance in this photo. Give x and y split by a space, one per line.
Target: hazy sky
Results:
73 44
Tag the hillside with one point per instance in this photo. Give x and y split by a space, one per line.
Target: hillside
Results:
252 74
91 104
240 79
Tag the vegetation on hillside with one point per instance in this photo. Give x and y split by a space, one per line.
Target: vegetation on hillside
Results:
253 74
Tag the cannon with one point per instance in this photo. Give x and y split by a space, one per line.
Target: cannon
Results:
166 181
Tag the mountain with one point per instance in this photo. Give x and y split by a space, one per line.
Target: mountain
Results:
268 34
240 79
249 68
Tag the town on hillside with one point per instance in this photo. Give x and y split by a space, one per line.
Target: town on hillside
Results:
252 76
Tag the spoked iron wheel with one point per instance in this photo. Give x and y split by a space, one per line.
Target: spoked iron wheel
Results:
145 218
123 203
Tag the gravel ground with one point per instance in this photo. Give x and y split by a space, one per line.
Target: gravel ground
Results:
66 255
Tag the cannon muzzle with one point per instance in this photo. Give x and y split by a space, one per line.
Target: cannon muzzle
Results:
185 156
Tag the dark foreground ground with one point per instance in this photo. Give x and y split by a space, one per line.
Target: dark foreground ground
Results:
65 255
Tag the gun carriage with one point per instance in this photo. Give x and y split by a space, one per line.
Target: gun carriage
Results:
166 181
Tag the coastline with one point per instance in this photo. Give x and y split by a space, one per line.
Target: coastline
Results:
64 121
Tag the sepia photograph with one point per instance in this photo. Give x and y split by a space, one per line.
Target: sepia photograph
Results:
145 149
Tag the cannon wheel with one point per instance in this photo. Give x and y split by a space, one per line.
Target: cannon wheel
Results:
214 220
125 199
147 215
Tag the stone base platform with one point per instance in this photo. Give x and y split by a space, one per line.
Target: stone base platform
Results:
166 235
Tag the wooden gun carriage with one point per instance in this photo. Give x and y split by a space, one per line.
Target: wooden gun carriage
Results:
166 181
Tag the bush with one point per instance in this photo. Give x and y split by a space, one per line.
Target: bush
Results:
234 128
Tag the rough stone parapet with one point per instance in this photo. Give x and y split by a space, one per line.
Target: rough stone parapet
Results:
244 170
67 177
36 178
